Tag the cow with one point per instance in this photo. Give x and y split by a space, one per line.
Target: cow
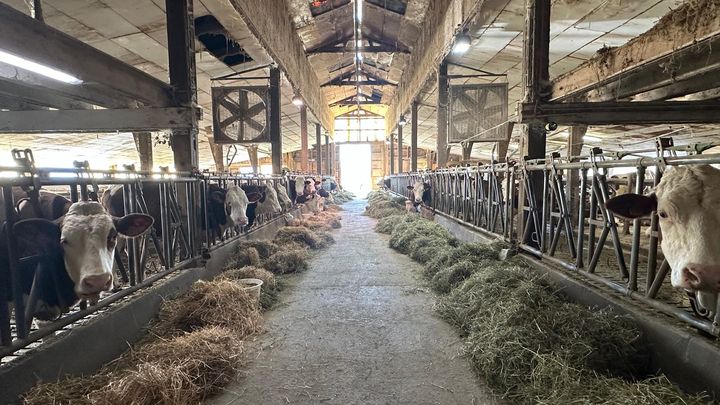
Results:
282 194
228 208
265 201
686 201
75 251
421 194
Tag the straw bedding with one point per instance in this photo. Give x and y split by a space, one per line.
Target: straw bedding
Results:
521 334
304 236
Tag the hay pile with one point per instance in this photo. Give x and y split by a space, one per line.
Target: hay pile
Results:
383 204
270 290
184 370
342 196
210 303
194 349
288 261
523 337
304 237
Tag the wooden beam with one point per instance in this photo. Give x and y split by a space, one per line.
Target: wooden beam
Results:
183 78
682 88
135 119
625 112
362 49
304 162
574 148
413 136
51 47
665 41
276 139
355 83
143 145
216 150
41 90
443 101
352 103
271 23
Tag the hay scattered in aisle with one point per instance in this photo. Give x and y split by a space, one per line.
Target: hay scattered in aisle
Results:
525 338
195 346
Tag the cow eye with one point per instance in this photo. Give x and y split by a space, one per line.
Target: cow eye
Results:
112 239
64 242
662 214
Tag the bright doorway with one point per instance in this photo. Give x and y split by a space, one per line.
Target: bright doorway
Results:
356 168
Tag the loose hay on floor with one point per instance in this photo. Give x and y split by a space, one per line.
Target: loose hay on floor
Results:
299 234
210 303
178 371
288 261
265 248
268 292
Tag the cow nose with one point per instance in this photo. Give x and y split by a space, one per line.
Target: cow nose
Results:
701 277
95 283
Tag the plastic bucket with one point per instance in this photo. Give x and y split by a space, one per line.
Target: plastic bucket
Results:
252 287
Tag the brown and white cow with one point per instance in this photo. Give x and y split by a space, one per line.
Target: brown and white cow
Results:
76 251
687 202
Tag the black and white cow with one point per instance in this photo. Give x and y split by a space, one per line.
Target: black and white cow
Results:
265 203
76 253
421 193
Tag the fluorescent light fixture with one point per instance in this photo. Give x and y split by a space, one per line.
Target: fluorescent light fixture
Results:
359 43
359 11
359 56
402 121
462 43
297 100
591 138
38 68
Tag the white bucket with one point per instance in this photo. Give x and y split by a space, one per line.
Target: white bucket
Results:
252 286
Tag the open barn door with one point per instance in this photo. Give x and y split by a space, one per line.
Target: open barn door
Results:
356 168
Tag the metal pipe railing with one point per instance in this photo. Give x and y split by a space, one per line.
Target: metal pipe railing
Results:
470 195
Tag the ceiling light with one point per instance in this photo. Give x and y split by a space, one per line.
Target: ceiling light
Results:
359 12
38 68
297 100
462 42
402 121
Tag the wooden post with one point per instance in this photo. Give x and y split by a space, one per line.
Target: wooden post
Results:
392 154
275 131
442 115
143 144
328 156
400 148
304 164
252 151
181 55
574 148
217 154
536 78
502 146
318 147
467 150
413 136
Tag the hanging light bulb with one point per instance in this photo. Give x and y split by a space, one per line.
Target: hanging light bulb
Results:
402 121
462 42
297 100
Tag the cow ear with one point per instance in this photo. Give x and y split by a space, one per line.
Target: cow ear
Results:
133 225
410 187
426 186
253 197
218 197
632 205
36 235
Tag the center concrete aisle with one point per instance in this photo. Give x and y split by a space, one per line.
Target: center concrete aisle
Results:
357 328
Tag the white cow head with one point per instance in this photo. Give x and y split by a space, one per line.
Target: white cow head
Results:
236 203
87 236
282 194
299 185
418 189
271 204
686 201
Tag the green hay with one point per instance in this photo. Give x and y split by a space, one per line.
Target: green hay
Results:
447 279
425 248
341 197
287 261
475 252
387 224
407 231
303 236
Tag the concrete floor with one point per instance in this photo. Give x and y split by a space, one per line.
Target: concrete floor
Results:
357 328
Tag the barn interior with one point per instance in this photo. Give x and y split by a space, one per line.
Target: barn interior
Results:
368 90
